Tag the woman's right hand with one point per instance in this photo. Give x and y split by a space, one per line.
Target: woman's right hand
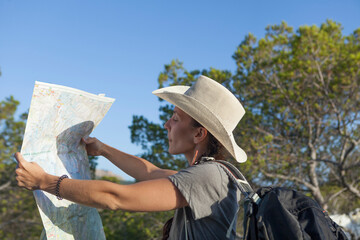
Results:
94 146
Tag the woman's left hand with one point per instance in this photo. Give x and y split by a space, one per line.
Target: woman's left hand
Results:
29 174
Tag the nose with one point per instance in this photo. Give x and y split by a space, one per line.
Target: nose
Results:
167 125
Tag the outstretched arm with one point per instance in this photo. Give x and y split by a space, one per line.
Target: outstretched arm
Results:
152 195
137 167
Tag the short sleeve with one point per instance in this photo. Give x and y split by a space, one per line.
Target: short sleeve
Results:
202 187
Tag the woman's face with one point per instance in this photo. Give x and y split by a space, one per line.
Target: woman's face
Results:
180 133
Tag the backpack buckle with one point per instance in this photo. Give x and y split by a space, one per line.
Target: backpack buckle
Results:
254 197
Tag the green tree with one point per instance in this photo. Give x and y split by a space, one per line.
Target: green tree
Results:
302 90
301 93
19 217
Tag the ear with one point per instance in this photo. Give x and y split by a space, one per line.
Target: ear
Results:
201 134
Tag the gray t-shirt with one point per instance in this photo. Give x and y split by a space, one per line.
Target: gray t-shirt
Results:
213 202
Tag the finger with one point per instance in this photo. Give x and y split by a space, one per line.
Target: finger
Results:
19 158
19 182
18 171
87 140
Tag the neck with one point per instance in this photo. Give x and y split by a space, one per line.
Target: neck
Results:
194 155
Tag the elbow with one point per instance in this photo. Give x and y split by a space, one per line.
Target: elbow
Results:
112 207
113 204
110 198
110 202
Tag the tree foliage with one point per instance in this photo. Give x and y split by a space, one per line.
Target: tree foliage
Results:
19 217
301 93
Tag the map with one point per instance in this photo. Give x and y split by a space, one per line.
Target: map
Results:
58 118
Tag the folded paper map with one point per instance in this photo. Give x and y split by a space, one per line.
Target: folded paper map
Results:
58 118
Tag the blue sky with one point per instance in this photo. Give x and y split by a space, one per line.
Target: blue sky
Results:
120 47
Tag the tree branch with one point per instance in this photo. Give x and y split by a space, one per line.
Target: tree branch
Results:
353 166
353 189
343 152
5 185
268 133
349 186
294 179
291 103
312 165
325 87
336 194
326 161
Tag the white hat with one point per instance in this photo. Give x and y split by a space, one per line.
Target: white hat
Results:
213 106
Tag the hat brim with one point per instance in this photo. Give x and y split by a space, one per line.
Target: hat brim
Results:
175 95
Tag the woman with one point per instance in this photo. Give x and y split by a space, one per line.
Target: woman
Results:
202 194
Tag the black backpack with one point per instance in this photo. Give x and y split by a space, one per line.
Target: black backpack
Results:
281 213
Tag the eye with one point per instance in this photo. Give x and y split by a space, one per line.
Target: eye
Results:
174 118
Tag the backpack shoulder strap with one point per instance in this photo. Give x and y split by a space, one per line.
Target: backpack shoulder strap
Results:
237 177
242 184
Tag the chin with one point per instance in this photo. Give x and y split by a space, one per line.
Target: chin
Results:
171 151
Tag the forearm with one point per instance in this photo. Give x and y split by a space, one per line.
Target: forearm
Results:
92 193
134 166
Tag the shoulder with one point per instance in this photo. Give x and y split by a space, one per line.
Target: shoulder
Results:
202 186
203 177
209 170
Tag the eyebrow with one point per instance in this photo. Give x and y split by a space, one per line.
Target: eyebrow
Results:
176 112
